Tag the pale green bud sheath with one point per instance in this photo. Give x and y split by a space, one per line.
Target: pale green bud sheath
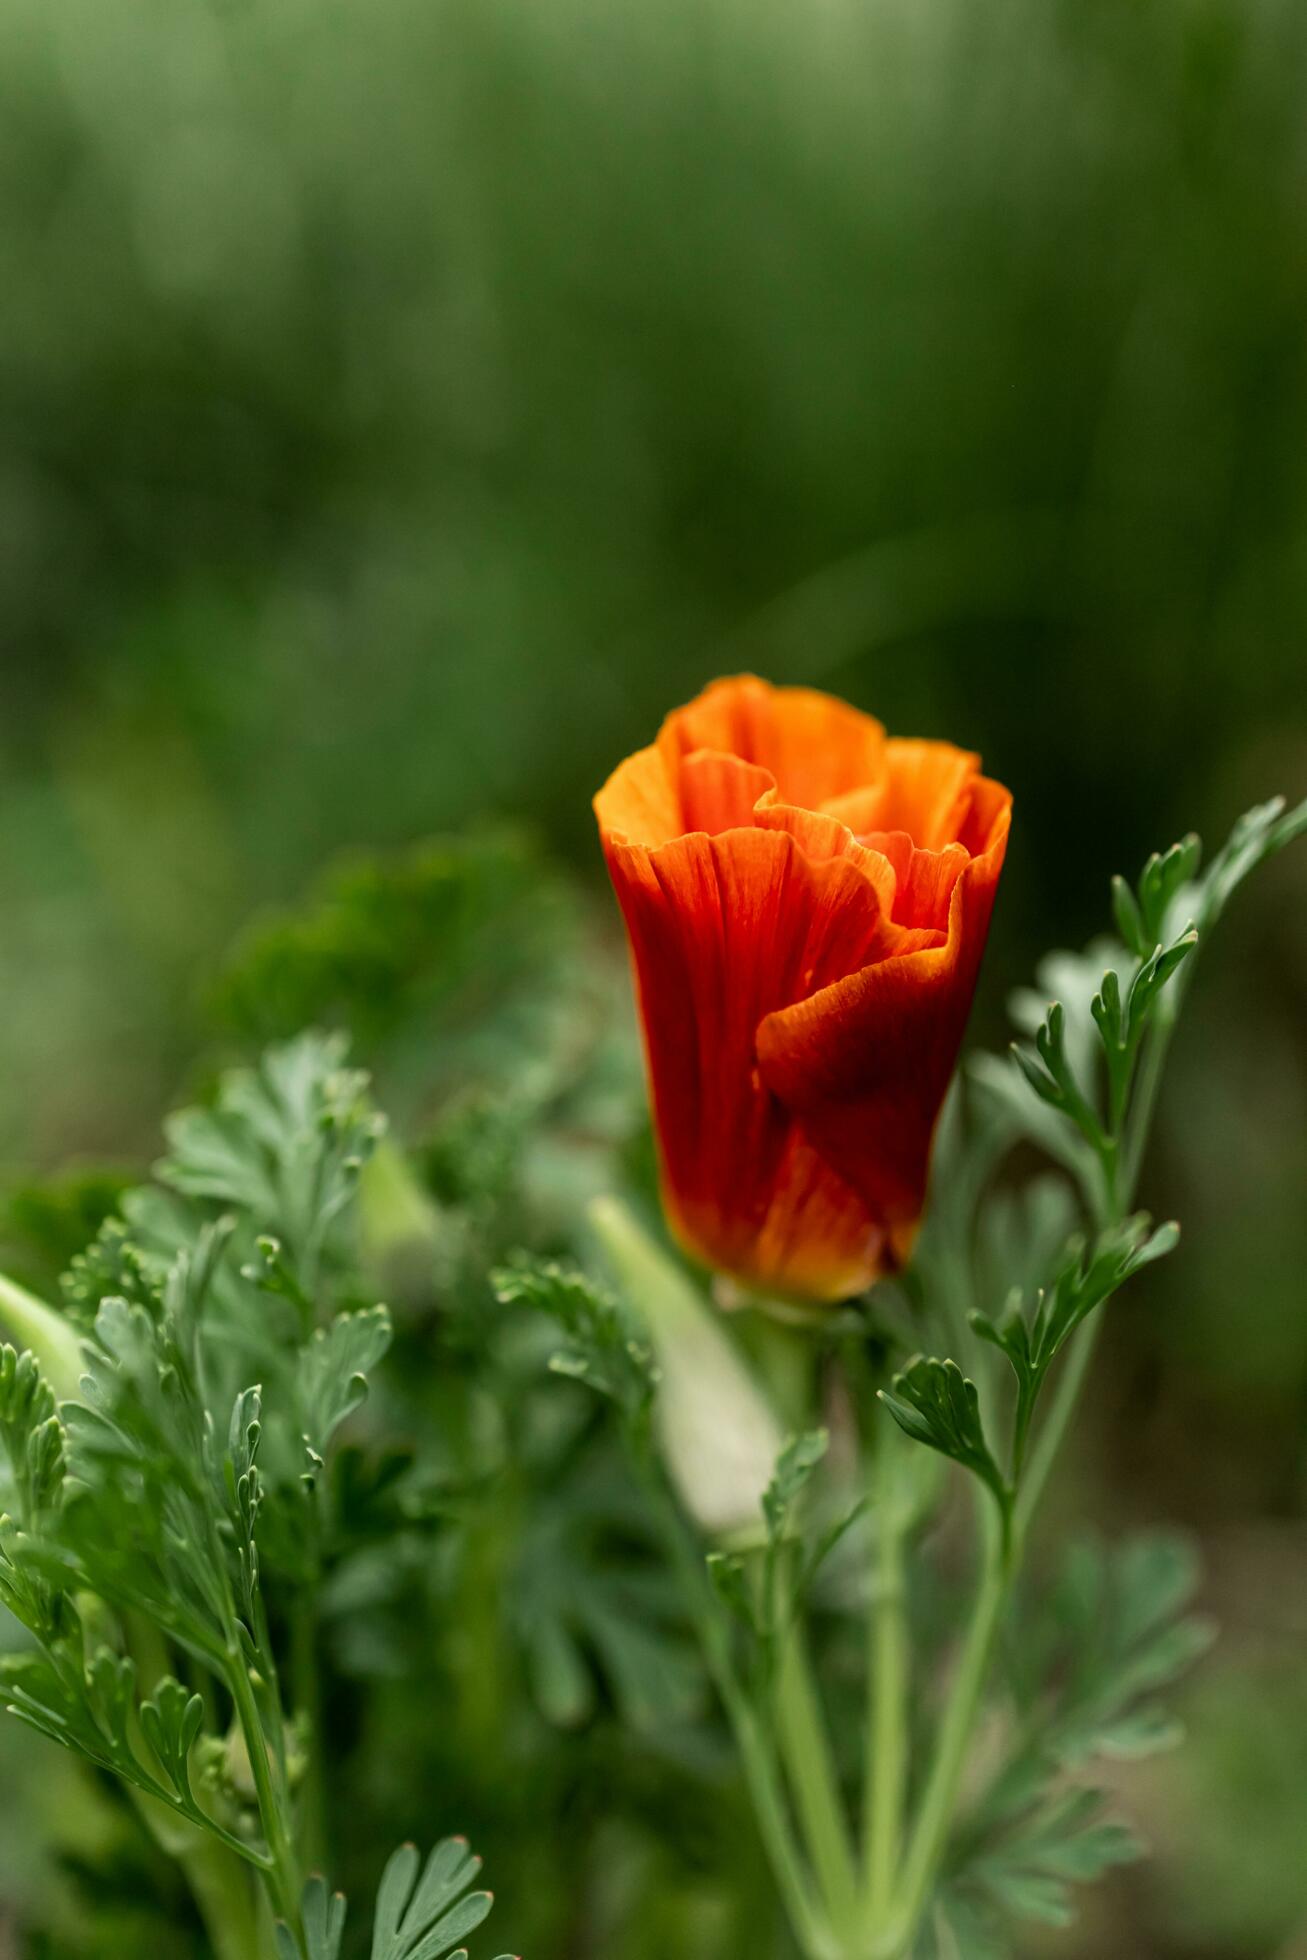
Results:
717 1432
32 1324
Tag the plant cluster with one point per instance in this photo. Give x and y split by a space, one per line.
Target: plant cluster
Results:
275 1558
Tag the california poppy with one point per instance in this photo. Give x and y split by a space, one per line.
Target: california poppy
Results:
807 902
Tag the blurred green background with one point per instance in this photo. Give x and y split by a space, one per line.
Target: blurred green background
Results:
404 402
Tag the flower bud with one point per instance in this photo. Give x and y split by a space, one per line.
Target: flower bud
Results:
718 1434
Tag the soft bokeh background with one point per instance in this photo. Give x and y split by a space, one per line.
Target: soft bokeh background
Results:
405 401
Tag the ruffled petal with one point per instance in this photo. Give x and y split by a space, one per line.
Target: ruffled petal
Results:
814 746
928 789
923 880
864 1064
640 802
724 932
821 838
720 792
923 788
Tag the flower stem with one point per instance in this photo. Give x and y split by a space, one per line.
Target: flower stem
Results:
935 1816
885 1784
752 1741
768 1802
805 1747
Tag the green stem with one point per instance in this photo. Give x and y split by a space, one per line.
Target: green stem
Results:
225 1901
1144 1099
308 1707
1002 1549
752 1742
805 1747
283 1880
209 1857
1120 1193
935 1816
887 1737
765 1794
1066 1396
1121 1157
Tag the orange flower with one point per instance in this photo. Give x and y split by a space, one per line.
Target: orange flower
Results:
807 903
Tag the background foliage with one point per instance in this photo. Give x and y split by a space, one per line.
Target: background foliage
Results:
404 404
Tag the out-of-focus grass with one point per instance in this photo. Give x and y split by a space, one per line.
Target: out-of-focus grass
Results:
405 401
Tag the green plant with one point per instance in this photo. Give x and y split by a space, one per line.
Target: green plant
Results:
277 1559
938 1866
171 1519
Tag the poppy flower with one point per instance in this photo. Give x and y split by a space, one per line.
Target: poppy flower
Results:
807 902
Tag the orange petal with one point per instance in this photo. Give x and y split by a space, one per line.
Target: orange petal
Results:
821 838
864 1064
924 880
719 792
639 802
725 931
924 788
815 746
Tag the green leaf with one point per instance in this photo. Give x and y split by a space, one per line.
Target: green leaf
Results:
26 1584
470 939
244 1490
284 1144
171 1720
1066 1842
334 1369
1123 1021
1161 921
31 1432
590 1598
420 1914
39 1694
794 1466
139 1520
1257 835
323 1914
726 1571
1089 1655
423 1918
963 1926
655 1681
561 1679
828 1540
113 1266
935 1404
1057 1076
1023 1232
602 1348
51 1218
1087 1277
111 1697
90 1709
1129 918
1000 1083
1164 876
